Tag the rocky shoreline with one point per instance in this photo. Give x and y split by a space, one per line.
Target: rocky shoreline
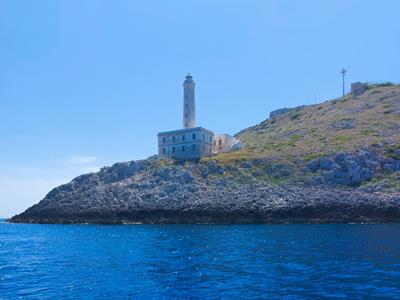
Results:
332 190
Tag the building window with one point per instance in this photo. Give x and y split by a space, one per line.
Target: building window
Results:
193 147
183 137
193 136
163 150
185 115
185 124
210 138
173 138
186 96
215 143
183 148
173 149
163 140
204 137
220 142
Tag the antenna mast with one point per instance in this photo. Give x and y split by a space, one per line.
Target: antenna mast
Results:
343 72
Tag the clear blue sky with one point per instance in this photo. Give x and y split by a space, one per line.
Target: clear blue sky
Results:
87 83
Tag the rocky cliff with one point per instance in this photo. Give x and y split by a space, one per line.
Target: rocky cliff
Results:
333 162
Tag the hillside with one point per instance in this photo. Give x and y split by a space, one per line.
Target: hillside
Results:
345 124
338 161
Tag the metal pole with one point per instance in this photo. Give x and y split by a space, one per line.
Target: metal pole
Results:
343 71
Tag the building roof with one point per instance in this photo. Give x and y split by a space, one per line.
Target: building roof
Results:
179 131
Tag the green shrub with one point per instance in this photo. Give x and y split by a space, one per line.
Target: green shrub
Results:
388 83
341 139
296 137
294 116
313 156
387 105
391 152
367 131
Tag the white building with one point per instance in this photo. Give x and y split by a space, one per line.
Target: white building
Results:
225 143
190 143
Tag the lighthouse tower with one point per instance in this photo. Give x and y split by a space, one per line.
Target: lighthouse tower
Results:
189 111
190 142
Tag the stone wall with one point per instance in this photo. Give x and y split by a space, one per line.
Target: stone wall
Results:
357 88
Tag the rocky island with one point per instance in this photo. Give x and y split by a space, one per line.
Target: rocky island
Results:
334 162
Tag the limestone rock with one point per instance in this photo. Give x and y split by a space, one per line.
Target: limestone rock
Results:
278 170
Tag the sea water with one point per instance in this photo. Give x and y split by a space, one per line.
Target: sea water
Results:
199 261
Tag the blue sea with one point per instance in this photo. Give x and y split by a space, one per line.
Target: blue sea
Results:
199 261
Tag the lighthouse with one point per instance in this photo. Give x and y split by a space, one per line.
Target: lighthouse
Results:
189 142
189 109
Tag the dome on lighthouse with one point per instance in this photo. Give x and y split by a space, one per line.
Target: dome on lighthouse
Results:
188 79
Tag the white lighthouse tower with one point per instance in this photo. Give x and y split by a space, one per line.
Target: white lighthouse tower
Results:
189 110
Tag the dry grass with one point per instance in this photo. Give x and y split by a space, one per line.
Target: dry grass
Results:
374 118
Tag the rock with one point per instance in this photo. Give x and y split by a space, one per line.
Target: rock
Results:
187 177
144 192
293 133
283 111
204 171
343 124
257 173
350 169
358 88
163 174
349 173
246 165
323 163
214 168
378 187
278 112
278 171
391 165
170 188
120 171
222 182
231 168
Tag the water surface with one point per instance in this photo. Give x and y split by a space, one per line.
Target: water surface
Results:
199 261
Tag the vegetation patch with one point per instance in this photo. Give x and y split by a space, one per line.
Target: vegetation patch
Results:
294 116
295 137
387 106
341 139
394 152
367 131
388 83
313 156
